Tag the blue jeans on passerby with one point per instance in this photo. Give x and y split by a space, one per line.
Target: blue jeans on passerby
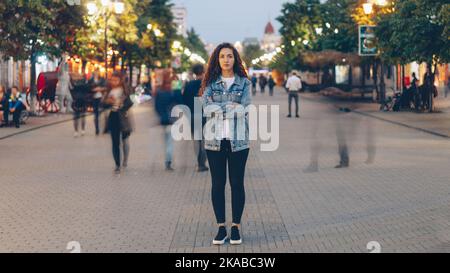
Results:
96 106
169 143
293 96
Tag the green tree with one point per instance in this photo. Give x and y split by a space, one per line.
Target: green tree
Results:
121 32
415 31
156 48
195 43
299 21
251 52
339 31
444 19
31 28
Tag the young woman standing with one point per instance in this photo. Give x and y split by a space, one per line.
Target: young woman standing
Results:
119 124
226 87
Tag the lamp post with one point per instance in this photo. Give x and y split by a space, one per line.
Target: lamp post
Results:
108 8
369 10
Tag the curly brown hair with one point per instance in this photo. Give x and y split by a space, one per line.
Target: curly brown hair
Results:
214 71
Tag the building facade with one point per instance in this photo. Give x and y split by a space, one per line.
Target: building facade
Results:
270 40
180 19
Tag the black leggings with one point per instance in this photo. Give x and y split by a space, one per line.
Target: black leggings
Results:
77 116
236 170
96 105
116 132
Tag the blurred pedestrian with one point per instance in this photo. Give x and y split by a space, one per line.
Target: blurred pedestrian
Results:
119 124
271 85
254 82
447 87
428 89
262 83
415 93
293 86
63 88
80 91
191 91
164 102
97 85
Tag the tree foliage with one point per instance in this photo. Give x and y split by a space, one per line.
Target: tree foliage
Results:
251 52
415 31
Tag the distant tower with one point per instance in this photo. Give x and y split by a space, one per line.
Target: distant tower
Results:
270 40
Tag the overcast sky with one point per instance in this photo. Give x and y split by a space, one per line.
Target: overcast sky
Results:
231 20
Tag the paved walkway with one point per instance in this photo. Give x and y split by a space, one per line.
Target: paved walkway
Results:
55 189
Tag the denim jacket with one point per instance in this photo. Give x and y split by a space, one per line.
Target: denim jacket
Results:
216 98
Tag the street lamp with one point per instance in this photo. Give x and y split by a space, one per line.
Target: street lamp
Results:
368 8
107 10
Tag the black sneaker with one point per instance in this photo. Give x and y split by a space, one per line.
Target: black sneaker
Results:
235 238
221 236
169 167
289 116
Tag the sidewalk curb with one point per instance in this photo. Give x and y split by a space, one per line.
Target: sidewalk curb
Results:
386 120
402 124
39 127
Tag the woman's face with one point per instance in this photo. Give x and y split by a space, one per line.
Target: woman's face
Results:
226 59
115 82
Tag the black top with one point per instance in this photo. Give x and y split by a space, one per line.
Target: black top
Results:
191 91
100 83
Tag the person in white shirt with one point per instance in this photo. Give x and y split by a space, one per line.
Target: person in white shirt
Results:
63 88
293 86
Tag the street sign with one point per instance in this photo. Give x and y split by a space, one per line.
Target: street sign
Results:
367 41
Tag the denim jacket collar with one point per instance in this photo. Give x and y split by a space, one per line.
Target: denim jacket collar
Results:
239 81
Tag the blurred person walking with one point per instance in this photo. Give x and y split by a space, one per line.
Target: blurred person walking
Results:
119 124
262 83
164 102
98 87
80 91
254 80
271 84
191 91
63 88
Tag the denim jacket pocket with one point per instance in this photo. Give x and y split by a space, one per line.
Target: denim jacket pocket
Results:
236 96
218 96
